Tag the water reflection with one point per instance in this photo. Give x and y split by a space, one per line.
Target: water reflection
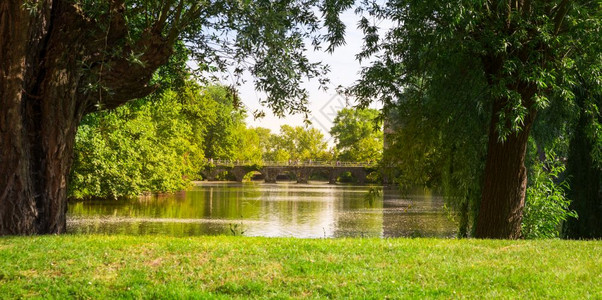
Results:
257 209
420 214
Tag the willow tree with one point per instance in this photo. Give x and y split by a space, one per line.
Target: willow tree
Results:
62 59
514 54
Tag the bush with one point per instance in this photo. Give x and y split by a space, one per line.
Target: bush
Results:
546 204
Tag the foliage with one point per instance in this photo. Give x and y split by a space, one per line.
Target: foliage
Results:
152 145
438 43
357 136
264 138
248 145
546 204
223 123
132 150
160 144
297 143
103 267
265 38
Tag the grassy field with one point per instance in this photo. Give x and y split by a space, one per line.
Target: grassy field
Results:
81 266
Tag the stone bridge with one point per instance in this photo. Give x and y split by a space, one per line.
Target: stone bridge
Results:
300 170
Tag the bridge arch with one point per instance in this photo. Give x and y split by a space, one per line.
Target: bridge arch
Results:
218 174
272 174
352 175
254 175
319 173
237 173
240 172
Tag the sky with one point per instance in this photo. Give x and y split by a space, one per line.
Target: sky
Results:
323 104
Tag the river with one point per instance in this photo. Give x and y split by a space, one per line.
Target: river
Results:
315 210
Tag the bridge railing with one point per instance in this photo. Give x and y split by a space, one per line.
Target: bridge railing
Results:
305 163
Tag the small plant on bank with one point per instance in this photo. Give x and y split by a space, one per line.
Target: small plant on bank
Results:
237 229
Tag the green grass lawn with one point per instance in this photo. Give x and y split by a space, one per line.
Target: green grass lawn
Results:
82 266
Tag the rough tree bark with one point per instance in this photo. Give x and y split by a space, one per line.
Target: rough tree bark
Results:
505 180
50 55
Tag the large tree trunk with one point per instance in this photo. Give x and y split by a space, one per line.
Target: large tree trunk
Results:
42 100
505 178
40 114
17 206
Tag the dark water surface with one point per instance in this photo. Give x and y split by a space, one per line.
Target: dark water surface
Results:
312 210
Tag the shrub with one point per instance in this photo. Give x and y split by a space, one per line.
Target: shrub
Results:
546 204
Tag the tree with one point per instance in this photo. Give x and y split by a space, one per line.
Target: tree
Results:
62 59
516 54
298 143
223 123
248 145
264 135
356 135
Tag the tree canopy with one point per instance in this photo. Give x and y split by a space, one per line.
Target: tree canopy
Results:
460 69
298 144
357 136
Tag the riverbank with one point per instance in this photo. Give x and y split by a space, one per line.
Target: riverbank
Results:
97 266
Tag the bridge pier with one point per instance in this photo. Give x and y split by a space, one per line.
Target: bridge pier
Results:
210 174
360 175
270 175
239 173
302 175
333 175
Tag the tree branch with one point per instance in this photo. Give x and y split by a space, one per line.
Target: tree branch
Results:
563 8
